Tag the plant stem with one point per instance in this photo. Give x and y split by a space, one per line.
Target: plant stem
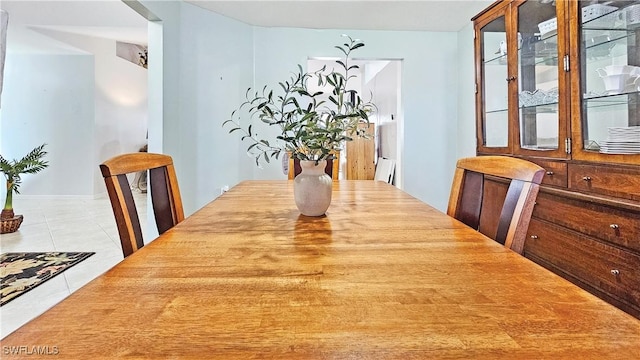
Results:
8 204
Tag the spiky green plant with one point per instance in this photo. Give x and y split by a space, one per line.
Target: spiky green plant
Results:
29 164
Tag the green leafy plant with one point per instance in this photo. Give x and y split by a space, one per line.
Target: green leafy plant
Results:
313 126
29 164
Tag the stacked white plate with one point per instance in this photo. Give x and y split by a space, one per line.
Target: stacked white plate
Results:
622 140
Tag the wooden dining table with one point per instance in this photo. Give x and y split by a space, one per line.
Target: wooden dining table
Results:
382 275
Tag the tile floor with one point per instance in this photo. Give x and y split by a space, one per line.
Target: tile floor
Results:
62 225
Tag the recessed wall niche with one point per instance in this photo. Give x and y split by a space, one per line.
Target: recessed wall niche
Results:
137 54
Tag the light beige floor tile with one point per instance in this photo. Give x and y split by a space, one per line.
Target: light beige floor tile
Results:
93 267
30 216
99 243
35 237
75 229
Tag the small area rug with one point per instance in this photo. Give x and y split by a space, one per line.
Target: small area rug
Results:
21 272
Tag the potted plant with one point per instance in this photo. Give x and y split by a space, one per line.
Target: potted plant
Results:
29 164
313 125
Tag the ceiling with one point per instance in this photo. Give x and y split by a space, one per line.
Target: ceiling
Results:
113 19
420 15
30 23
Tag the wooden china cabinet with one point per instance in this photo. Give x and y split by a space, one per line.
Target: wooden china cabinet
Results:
558 83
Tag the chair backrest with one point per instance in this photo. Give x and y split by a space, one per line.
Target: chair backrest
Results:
470 196
385 169
331 169
165 195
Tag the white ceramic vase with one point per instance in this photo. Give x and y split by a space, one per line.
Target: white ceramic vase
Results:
312 188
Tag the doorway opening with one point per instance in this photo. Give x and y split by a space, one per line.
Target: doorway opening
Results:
378 80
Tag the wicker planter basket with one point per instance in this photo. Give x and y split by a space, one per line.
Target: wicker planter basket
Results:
10 225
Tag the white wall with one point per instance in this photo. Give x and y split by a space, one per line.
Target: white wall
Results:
120 101
384 87
429 89
72 90
207 66
466 129
48 98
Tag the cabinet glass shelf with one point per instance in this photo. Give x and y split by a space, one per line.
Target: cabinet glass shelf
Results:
498 111
598 38
614 20
540 52
624 99
548 108
550 58
601 44
542 147
497 60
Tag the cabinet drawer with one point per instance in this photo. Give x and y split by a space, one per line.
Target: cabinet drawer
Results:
603 267
614 225
611 181
556 172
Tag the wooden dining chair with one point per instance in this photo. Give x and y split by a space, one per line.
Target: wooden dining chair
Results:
495 195
165 195
331 169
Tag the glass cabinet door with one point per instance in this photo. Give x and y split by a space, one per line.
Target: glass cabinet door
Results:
606 126
540 69
493 131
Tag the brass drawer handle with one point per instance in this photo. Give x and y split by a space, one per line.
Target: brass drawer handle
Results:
586 178
549 173
534 237
615 272
614 226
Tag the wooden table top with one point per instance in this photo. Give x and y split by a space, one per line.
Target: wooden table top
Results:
383 275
